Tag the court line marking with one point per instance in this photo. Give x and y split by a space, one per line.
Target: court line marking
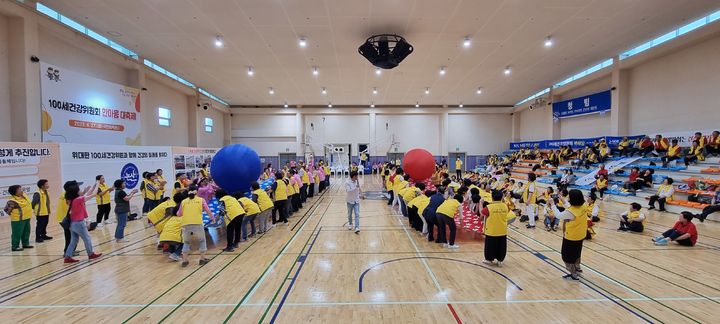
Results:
363 303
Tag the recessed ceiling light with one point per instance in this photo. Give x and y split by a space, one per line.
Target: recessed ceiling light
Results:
372 105
271 91
427 91
329 104
479 90
302 42
466 42
548 42
324 91
250 71
442 70
507 70
219 41
417 105
460 105
316 71
285 105
378 71
375 91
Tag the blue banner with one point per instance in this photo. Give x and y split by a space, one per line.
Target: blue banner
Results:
590 104
527 145
575 143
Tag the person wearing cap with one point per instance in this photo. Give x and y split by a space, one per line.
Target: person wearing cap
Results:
191 210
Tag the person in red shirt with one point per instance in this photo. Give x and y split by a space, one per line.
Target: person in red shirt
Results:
602 171
644 147
683 232
661 145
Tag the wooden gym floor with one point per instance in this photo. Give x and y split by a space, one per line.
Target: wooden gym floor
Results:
315 270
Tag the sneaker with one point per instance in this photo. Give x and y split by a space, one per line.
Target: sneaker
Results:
455 246
487 262
122 240
94 256
662 210
107 221
38 240
70 260
499 264
17 249
47 237
235 246
357 231
445 245
99 225
657 238
662 242
75 253
185 264
203 261
529 226
554 228
547 228
651 207
622 228
350 227
174 257
228 249
28 247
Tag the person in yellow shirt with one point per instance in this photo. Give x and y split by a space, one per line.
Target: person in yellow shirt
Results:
19 208
398 184
495 222
191 210
103 201
41 207
673 153
172 236
265 204
388 186
594 212
632 220
280 193
233 212
446 217
252 210
529 198
160 214
623 147
601 185
458 168
713 145
179 185
574 233
413 196
161 180
664 194
694 154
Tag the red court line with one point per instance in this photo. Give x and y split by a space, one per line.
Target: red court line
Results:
452 310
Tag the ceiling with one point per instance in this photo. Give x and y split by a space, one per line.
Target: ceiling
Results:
264 34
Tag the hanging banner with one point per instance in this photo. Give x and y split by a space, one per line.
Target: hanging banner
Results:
189 160
527 145
83 162
78 108
24 164
685 138
590 104
575 143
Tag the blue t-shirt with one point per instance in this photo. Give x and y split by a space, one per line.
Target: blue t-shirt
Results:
435 201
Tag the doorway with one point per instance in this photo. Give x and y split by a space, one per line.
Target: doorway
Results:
452 157
364 157
284 159
395 158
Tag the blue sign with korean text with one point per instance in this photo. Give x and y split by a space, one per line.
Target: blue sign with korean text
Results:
590 104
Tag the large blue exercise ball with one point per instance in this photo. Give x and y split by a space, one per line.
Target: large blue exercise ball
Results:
235 167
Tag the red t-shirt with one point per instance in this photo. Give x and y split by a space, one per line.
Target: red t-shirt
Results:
687 228
603 172
634 176
78 212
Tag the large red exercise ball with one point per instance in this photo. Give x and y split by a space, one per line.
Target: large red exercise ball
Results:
419 164
235 167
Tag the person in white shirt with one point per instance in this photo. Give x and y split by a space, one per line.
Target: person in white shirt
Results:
665 193
352 189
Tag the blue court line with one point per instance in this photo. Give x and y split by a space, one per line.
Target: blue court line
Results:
301 259
548 261
362 276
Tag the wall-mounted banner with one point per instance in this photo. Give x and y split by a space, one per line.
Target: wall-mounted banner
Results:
590 104
575 143
78 108
24 164
82 162
685 138
189 160
527 145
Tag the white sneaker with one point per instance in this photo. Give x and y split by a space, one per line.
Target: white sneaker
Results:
357 230
99 225
122 240
107 221
499 264
445 245
350 227
173 257
486 262
453 246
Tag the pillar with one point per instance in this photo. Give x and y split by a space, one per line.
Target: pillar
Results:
619 110
25 105
373 149
193 126
444 125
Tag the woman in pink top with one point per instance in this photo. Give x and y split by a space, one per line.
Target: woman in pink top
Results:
206 190
321 176
77 213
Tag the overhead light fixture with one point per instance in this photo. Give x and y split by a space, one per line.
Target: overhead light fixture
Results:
417 105
324 91
378 71
302 42
479 90
442 70
250 71
427 91
375 91
548 42
466 42
460 105
285 105
507 70
219 41
372 105
329 104
271 91
315 71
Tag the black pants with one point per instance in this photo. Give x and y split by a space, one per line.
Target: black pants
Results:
601 191
661 152
66 231
41 227
449 222
709 210
645 151
690 159
711 150
431 225
390 192
311 190
458 172
148 205
495 248
660 201
321 186
296 203
280 211
103 212
672 234
414 218
233 231
303 193
632 226
668 159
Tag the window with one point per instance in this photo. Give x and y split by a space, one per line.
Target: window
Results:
164 117
212 96
167 73
584 73
208 125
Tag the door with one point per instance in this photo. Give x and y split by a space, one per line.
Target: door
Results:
363 152
452 157
285 158
394 158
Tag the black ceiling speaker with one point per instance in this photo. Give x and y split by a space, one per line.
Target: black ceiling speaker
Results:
385 51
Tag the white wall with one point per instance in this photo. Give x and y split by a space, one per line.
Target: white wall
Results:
337 129
479 134
268 135
160 95
214 139
5 122
535 124
411 131
588 125
677 92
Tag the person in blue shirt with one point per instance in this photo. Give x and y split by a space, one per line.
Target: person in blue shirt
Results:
714 207
436 199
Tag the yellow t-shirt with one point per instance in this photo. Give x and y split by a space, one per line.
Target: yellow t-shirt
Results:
264 201
251 208
496 222
232 208
172 231
576 229
458 165
24 212
409 193
157 215
399 183
105 198
281 192
449 207
421 202
192 210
